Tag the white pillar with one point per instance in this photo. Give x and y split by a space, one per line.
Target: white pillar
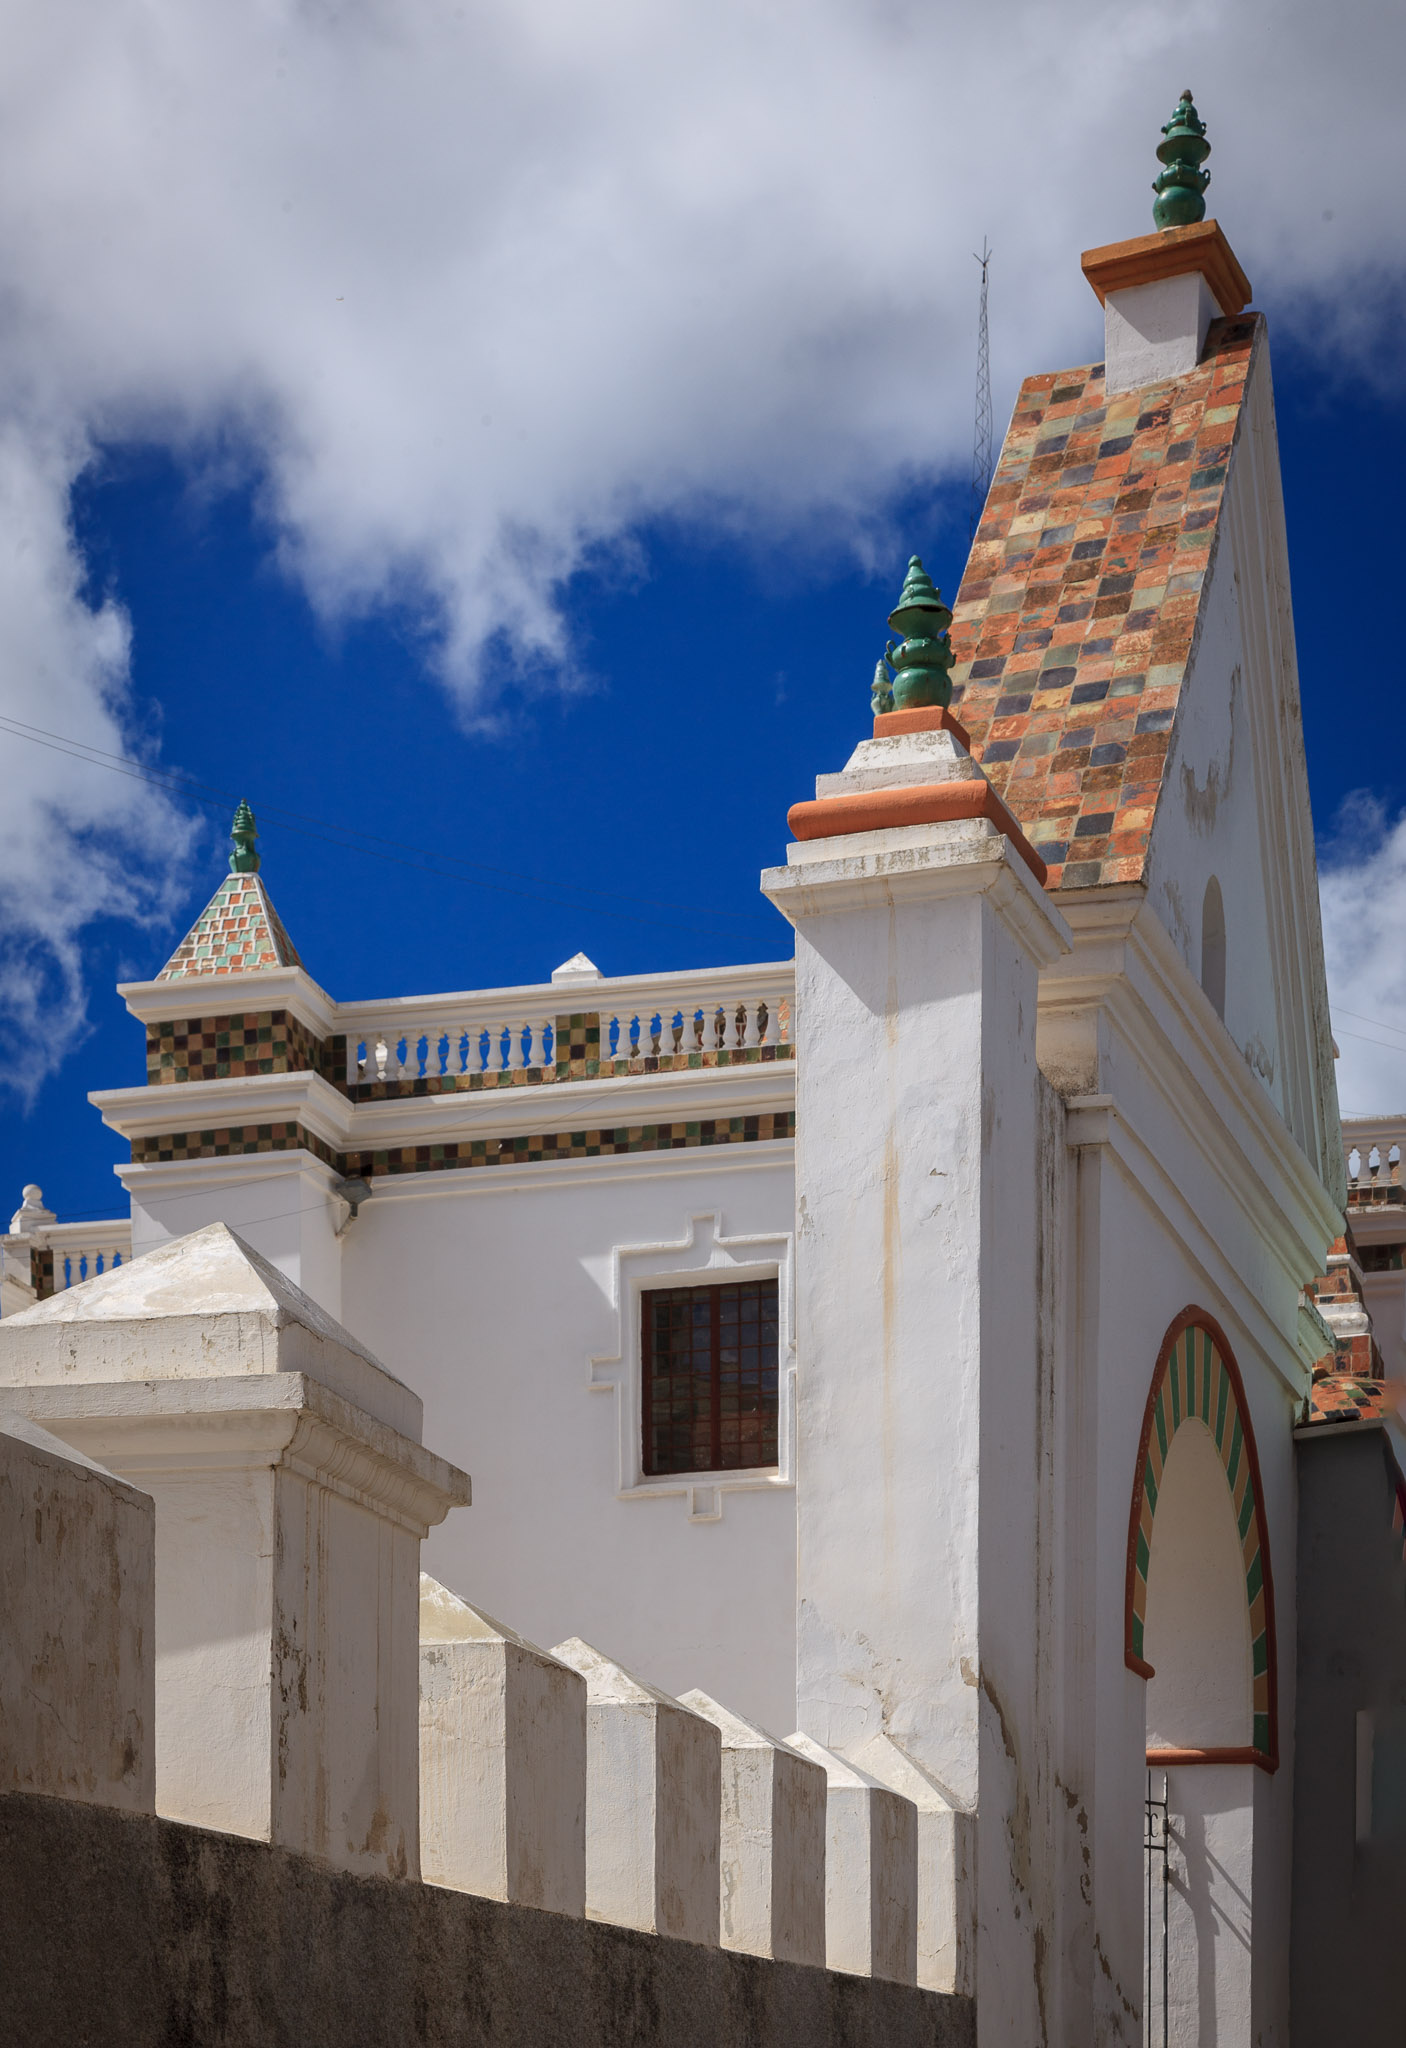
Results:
946 1868
653 1804
77 1620
502 1761
292 1495
918 946
871 1872
772 1894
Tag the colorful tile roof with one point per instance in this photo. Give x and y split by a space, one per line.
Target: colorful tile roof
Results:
238 932
1347 1397
1079 607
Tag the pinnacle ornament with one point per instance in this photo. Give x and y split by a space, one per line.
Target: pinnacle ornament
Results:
881 689
245 858
921 661
1181 184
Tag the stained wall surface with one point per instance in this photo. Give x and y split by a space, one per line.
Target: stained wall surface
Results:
147 1932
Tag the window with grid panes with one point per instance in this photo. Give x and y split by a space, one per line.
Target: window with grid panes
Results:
709 1357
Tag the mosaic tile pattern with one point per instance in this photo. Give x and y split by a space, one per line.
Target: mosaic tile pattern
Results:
576 1044
1195 1381
1078 609
1345 1397
41 1272
288 1137
220 1048
737 1130
1354 1353
238 932
227 1142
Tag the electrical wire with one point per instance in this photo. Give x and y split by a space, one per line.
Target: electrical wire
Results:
448 867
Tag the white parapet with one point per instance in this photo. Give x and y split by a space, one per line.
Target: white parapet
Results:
292 1494
772 1872
653 1804
871 1871
502 1761
946 1868
77 1622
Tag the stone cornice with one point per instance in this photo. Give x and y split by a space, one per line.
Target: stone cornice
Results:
305 1098
284 1420
210 995
920 863
1126 986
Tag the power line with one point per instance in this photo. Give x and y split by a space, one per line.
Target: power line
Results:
448 867
981 435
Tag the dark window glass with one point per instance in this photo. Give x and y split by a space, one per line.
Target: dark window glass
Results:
710 1377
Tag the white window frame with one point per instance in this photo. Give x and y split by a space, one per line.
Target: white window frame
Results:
704 1255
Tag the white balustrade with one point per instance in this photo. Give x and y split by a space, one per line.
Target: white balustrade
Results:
511 1031
83 1250
1374 1157
80 1251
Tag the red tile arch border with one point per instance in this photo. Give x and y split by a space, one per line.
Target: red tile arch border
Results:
1196 1375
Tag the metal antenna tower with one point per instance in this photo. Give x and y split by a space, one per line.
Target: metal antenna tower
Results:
981 439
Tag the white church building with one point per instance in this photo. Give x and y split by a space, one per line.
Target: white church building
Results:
908 1344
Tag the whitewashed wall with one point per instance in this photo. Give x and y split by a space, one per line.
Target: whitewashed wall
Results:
491 1292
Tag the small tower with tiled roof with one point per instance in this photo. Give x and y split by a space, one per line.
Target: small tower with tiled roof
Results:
239 931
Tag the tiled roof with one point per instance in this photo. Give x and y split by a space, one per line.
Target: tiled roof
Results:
1078 610
1346 1397
238 931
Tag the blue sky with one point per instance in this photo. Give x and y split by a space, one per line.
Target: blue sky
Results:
502 429
630 816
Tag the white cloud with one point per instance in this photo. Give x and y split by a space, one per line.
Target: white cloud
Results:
1362 883
473 287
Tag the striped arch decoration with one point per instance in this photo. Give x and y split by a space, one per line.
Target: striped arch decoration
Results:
1197 1376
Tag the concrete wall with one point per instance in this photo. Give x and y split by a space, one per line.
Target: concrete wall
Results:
491 1294
77 1625
1349 1961
147 1932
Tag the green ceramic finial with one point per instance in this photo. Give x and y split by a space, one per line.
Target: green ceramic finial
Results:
922 659
881 689
1181 184
245 858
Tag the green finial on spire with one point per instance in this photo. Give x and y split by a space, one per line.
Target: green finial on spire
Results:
1181 184
881 689
922 659
245 858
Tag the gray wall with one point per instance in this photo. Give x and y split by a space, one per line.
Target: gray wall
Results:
119 1928
1348 1967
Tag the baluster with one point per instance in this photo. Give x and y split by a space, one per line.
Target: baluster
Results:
636 1033
517 1058
749 1020
656 1031
719 1028
382 1054
764 1011
699 1021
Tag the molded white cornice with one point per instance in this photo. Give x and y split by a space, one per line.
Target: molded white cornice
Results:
1123 1013
920 863
765 1087
220 995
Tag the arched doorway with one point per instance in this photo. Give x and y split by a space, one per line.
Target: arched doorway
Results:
1199 1628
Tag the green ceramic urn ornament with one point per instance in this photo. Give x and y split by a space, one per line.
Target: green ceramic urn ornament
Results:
922 660
245 858
881 689
1181 184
